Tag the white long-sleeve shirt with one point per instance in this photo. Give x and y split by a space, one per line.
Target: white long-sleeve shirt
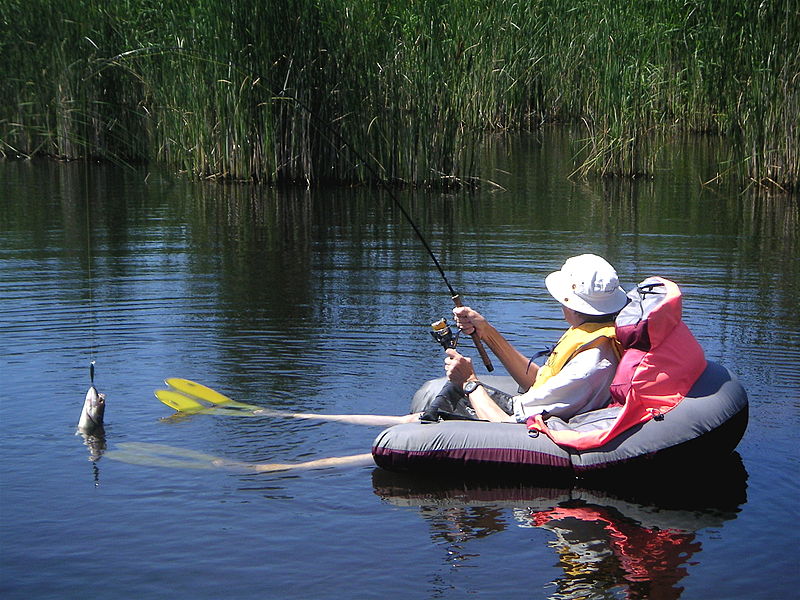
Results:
581 385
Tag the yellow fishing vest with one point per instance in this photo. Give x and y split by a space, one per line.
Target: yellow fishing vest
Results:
575 340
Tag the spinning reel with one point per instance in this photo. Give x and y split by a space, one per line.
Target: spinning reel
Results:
443 334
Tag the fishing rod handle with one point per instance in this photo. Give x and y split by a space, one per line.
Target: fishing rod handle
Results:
476 339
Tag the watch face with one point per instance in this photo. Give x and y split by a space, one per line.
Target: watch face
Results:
470 387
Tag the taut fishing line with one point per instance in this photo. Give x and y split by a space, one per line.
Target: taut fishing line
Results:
92 337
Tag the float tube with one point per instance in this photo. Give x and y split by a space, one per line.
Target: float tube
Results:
702 417
708 423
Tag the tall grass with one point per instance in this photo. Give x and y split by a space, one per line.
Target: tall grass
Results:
276 91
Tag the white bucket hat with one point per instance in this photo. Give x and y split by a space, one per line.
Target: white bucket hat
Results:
587 284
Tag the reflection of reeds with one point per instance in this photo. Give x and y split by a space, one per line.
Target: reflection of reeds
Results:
268 91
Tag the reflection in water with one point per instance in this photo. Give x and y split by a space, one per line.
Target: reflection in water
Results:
599 549
456 526
96 442
634 541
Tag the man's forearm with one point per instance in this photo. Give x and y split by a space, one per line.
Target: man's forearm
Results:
513 360
486 408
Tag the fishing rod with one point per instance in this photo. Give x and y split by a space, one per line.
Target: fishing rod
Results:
285 95
454 296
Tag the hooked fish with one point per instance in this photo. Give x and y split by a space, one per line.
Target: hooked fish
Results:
94 407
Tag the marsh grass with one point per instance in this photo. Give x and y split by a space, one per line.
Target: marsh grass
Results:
283 91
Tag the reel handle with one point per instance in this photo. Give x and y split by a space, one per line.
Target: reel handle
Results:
476 340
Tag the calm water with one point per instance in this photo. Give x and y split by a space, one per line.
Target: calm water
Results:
320 301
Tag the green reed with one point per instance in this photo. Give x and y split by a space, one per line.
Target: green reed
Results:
278 91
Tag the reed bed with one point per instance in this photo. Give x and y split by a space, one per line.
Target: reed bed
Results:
399 90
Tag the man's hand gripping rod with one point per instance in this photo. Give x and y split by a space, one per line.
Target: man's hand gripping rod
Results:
476 339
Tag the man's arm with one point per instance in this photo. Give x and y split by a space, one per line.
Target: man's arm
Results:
459 370
517 364
486 408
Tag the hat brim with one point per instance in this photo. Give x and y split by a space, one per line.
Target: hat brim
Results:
561 289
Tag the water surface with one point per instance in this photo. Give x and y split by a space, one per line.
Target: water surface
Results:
320 300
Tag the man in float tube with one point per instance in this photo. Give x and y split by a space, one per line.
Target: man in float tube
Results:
578 371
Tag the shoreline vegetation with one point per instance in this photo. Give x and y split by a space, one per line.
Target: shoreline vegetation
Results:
405 91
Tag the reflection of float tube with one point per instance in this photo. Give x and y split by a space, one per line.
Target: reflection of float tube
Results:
641 535
701 500
599 547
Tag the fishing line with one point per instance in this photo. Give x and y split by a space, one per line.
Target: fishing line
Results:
92 343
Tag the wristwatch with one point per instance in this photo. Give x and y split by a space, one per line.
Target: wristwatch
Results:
471 386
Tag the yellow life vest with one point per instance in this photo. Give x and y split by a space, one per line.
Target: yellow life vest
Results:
575 340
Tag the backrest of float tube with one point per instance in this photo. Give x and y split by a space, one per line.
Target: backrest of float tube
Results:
662 361
662 358
708 423
654 308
